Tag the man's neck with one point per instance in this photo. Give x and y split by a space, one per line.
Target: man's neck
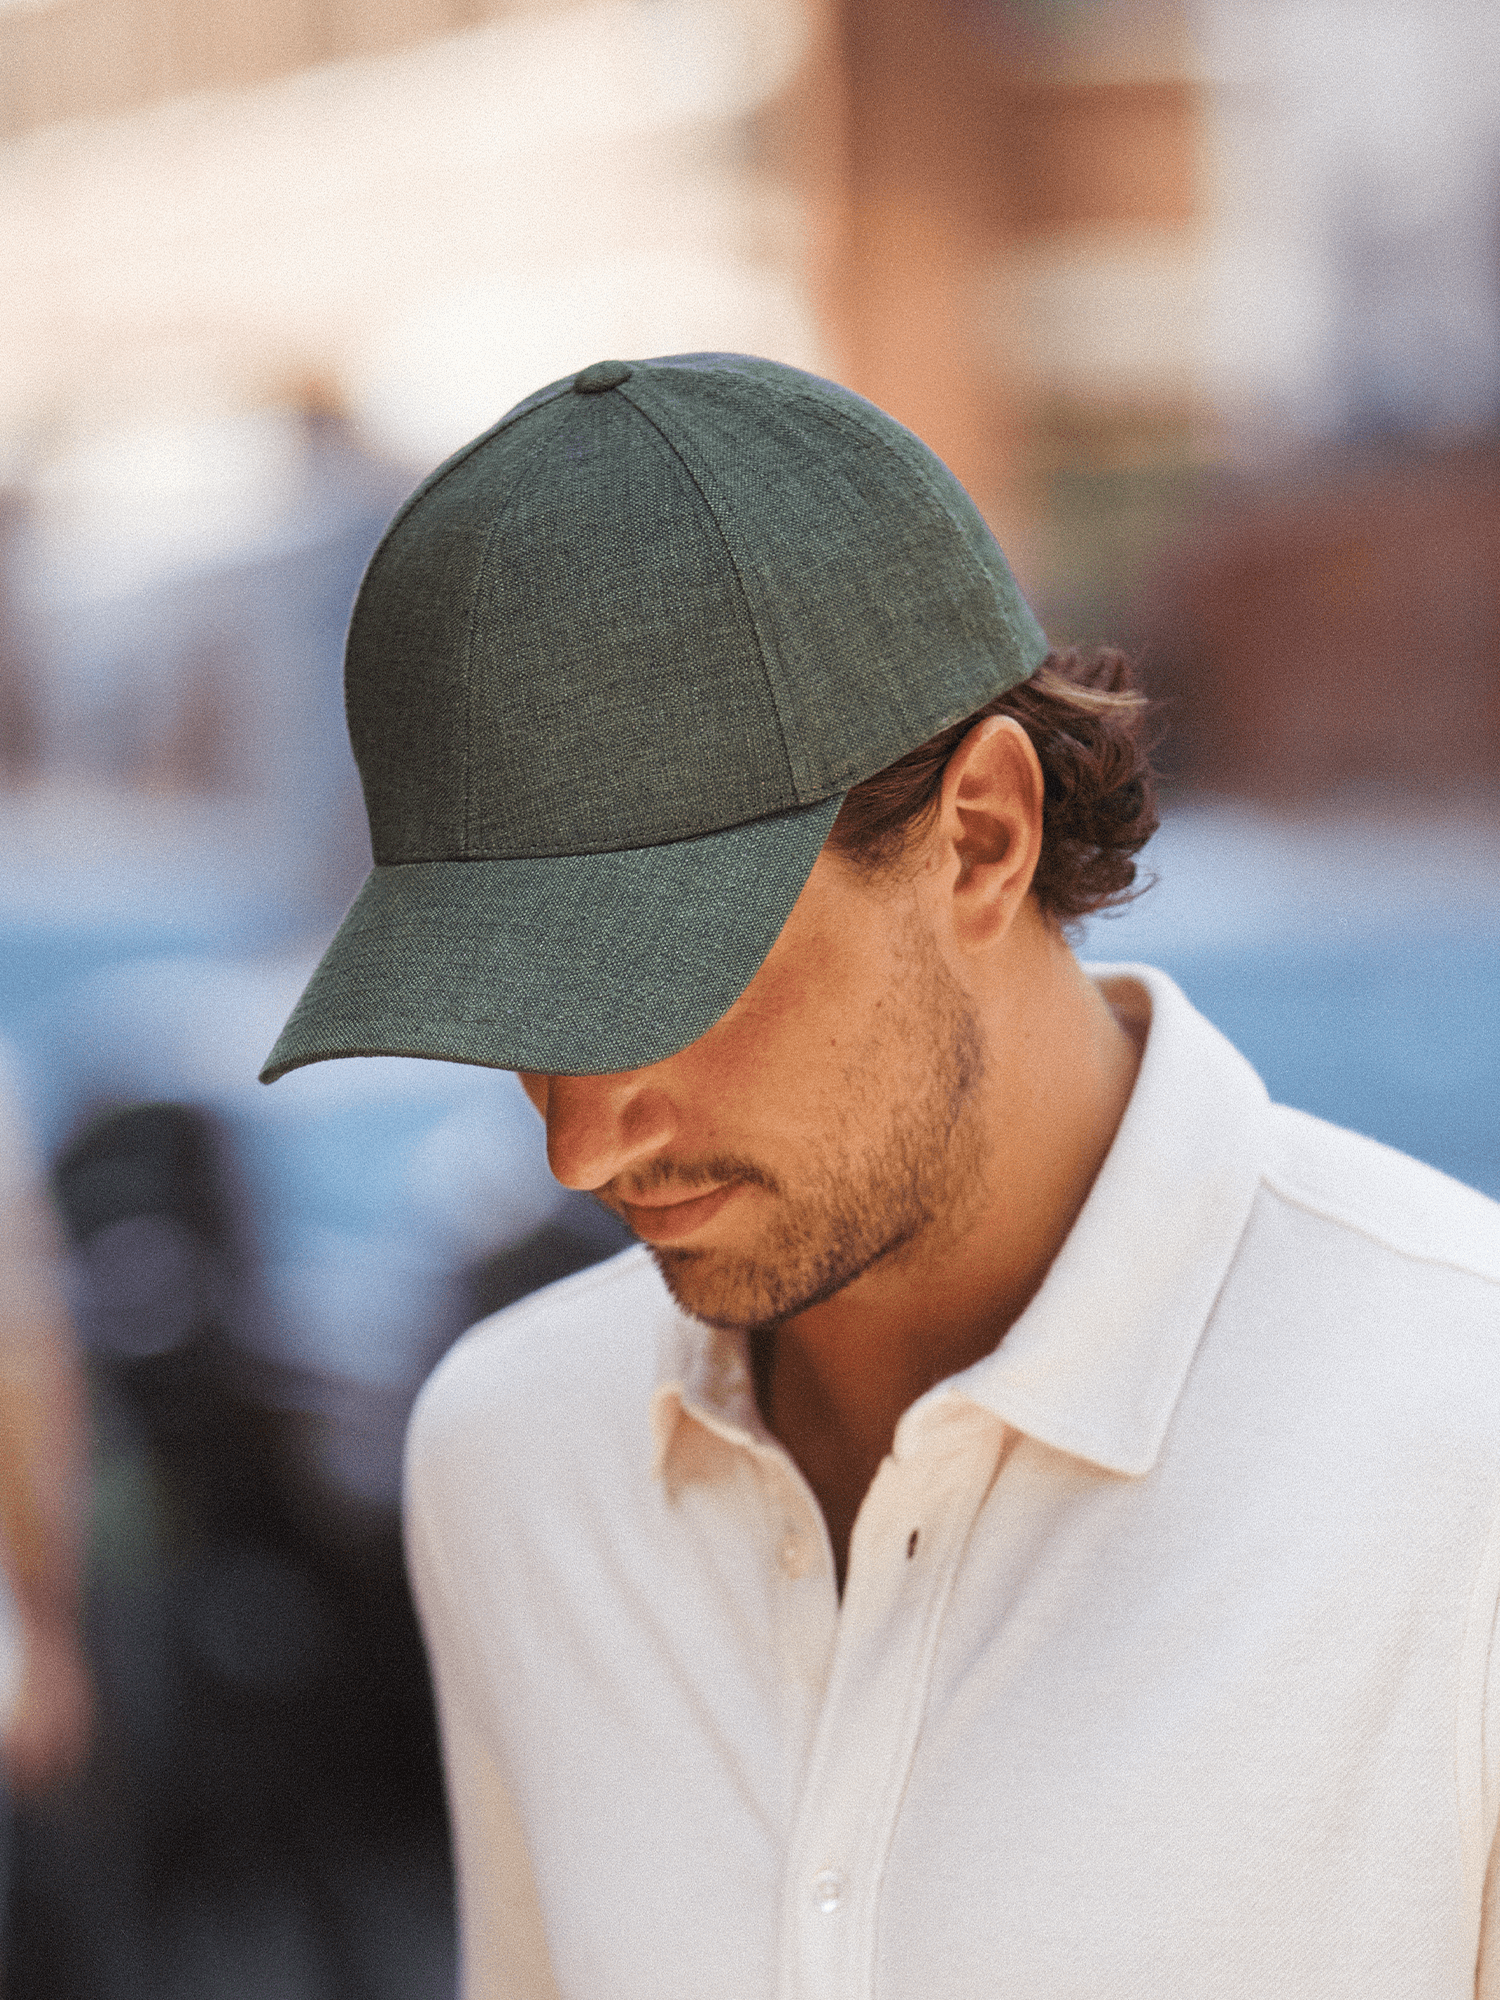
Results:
835 1380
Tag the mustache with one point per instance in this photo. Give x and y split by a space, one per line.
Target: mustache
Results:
724 1170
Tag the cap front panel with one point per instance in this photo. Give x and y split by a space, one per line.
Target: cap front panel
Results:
618 694
552 654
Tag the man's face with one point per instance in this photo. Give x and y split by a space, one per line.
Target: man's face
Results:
824 1125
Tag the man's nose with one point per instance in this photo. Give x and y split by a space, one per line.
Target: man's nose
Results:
600 1126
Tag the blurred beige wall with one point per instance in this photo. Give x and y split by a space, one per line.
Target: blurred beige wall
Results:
424 234
985 172
232 200
82 58
1101 254
416 214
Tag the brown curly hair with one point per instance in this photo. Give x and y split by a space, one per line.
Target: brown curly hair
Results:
1086 717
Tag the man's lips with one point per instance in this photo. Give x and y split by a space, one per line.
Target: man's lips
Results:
669 1221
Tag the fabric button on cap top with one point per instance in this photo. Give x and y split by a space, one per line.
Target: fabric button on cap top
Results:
602 375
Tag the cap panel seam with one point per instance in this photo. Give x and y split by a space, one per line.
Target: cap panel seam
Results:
971 567
745 597
839 416
440 473
633 847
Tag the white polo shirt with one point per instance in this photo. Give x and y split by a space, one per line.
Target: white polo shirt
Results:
1165 1665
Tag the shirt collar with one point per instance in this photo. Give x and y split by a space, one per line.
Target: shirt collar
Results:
1096 1363
703 1373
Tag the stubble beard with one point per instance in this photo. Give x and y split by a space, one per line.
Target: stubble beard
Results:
857 1206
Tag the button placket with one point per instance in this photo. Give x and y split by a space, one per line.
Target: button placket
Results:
871 1714
803 1606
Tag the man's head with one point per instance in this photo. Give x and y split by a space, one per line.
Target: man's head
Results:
709 784
847 1108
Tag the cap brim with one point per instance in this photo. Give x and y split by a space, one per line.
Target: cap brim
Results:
575 965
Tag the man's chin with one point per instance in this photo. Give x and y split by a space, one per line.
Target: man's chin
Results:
729 1292
741 1294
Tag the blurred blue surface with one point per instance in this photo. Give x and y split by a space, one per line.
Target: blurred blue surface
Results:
1355 960
1401 1041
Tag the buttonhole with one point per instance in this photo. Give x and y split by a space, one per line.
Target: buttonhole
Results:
911 1544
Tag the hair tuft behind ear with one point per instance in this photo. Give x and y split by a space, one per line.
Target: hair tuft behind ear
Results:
1088 723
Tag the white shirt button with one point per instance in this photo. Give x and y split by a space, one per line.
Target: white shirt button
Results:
796 1553
828 1890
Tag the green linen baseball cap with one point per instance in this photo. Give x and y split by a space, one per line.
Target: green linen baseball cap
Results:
610 673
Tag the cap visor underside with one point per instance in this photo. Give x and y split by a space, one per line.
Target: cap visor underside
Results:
576 965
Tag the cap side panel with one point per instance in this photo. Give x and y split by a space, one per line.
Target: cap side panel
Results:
933 625
993 582
408 658
953 630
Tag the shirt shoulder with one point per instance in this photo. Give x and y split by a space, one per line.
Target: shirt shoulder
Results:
544 1379
1359 1329
1392 1201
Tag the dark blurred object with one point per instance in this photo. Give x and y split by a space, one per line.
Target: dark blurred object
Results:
1337 633
578 1234
265 1813
157 1262
268 1768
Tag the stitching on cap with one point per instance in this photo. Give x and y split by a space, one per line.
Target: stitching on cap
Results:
867 432
854 423
766 674
682 839
840 415
852 420
436 477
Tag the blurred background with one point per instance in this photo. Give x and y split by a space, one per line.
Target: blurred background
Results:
1201 298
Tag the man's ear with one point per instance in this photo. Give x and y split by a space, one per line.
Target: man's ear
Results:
988 836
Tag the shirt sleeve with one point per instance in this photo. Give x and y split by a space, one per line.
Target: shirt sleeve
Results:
503 1951
1487 1981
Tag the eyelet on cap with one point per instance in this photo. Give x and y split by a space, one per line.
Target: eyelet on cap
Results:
602 375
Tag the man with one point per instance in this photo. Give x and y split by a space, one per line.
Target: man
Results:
1029 1520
